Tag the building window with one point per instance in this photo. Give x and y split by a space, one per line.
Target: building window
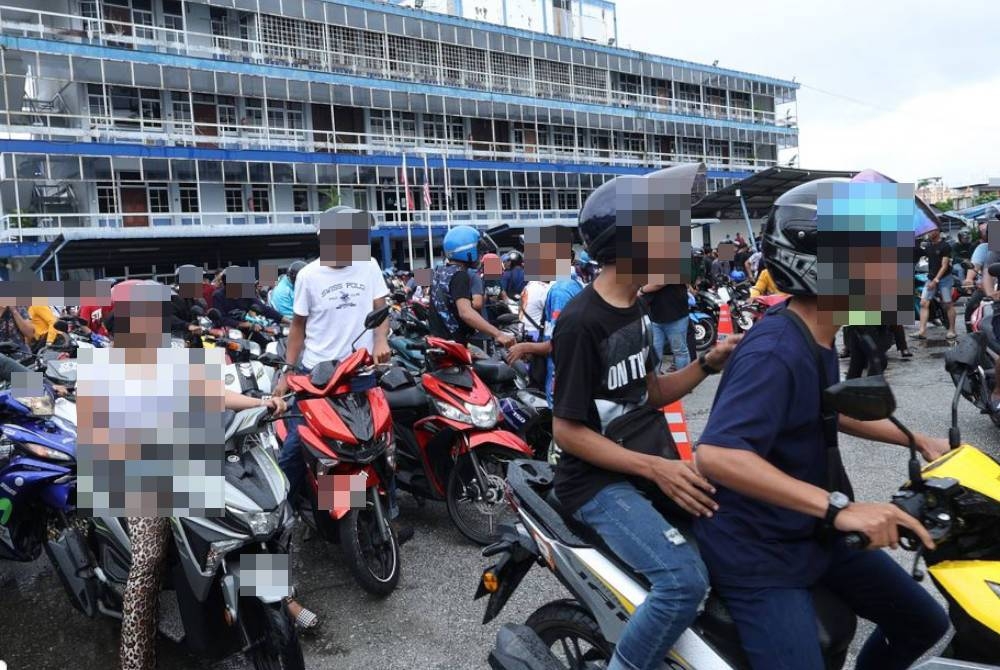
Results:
300 199
149 104
234 199
506 200
480 201
254 113
531 200
260 198
226 107
159 199
568 200
173 20
107 198
189 197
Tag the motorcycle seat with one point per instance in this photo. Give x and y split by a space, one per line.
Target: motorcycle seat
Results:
493 372
406 397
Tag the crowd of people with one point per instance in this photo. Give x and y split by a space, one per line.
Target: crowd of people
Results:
766 502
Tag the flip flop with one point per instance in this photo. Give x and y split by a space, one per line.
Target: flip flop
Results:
950 336
306 618
918 336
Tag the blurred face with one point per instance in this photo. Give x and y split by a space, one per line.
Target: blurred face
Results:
344 238
547 253
139 317
189 282
240 283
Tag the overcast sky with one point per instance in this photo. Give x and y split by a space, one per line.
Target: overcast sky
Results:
928 73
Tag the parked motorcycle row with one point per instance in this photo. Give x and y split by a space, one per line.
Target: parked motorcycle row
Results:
457 425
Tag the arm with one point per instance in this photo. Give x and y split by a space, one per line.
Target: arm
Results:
296 339
945 268
760 288
474 319
668 388
380 347
24 325
884 431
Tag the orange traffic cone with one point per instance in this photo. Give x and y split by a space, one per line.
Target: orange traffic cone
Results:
725 322
678 428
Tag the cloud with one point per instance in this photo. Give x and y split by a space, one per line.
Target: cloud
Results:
950 133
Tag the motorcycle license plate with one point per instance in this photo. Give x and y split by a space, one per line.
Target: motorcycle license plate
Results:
264 576
724 294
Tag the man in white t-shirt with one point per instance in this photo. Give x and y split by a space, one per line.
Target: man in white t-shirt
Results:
533 307
333 295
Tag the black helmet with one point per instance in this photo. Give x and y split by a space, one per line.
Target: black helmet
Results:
599 214
293 269
963 236
789 240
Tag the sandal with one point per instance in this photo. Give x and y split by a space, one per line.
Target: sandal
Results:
918 336
906 353
306 618
950 335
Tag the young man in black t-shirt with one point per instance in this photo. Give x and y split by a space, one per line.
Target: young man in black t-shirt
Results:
939 280
604 377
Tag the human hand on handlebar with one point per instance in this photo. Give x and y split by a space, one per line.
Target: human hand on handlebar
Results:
518 352
277 405
880 523
381 352
281 388
932 448
684 484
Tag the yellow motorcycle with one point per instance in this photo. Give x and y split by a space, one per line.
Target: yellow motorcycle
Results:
957 499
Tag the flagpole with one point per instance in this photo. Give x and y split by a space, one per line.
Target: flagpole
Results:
427 206
409 222
447 185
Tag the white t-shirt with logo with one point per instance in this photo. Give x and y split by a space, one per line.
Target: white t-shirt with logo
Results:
533 304
336 302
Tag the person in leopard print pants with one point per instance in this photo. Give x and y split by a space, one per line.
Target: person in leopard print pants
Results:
149 537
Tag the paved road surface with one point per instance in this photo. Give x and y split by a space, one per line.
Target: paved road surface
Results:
431 622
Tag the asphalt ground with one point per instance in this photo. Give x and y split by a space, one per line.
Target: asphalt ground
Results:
431 621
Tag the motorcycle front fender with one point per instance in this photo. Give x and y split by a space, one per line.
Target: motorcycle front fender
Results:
500 438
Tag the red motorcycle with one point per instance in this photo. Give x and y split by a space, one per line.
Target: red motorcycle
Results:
348 446
449 445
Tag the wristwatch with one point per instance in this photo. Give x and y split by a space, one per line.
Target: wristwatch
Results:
705 367
837 503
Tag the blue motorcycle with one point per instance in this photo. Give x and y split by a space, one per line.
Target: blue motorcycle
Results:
37 473
704 325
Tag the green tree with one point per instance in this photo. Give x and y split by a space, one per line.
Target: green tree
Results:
984 198
945 205
329 197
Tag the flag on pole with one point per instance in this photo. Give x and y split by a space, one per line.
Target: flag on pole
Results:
427 185
406 187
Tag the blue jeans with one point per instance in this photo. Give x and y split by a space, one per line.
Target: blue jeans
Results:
639 535
777 625
674 332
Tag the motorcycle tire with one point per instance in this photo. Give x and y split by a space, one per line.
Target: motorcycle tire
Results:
568 629
278 645
375 566
705 334
743 319
461 483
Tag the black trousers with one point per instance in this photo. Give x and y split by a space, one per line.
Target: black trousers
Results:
862 359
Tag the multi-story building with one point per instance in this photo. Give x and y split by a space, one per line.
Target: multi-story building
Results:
119 113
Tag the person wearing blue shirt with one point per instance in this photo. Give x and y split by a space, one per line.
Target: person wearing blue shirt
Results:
512 280
784 497
559 295
283 294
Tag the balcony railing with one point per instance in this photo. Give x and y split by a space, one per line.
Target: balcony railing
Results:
116 129
46 227
65 27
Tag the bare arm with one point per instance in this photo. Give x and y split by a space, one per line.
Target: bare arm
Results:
668 388
885 431
296 339
474 319
24 325
477 302
382 332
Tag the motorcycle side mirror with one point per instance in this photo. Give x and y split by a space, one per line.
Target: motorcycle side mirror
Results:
994 269
865 398
376 317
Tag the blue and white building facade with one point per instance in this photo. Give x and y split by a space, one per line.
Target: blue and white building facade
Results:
118 113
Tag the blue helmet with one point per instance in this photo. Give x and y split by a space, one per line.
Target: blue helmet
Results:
737 275
462 244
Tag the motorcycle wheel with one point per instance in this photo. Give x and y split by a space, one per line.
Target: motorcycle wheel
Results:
743 320
571 633
271 628
478 513
704 335
374 564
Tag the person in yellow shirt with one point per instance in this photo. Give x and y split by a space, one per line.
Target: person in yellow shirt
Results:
44 320
764 286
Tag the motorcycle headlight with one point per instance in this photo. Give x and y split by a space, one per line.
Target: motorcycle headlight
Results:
483 416
47 453
217 550
261 524
39 405
451 412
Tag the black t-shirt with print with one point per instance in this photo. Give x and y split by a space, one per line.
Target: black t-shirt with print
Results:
447 323
602 356
668 304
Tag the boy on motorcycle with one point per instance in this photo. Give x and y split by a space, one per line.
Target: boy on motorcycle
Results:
783 494
605 377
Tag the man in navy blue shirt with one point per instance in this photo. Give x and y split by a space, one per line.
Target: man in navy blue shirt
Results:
781 497
512 280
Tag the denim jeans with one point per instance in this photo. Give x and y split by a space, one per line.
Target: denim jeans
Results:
778 630
639 535
674 332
